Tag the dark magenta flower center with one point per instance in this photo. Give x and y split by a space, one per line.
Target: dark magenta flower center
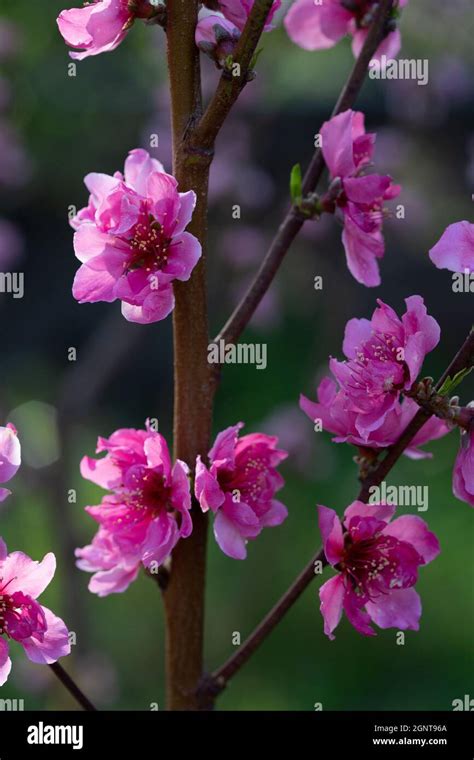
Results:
249 479
378 368
378 564
147 489
149 245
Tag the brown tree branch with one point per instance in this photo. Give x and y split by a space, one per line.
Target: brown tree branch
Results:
201 139
213 684
193 387
294 220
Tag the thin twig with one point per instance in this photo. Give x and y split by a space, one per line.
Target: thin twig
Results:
72 687
294 220
215 683
201 139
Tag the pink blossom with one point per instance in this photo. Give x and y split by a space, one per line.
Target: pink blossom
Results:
384 356
10 456
216 36
131 241
100 26
317 26
455 249
239 486
463 473
43 636
377 563
347 150
146 514
331 409
238 11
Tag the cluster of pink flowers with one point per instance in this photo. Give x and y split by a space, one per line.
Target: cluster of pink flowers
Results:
148 509
320 25
131 239
101 25
43 635
384 356
132 245
347 151
377 563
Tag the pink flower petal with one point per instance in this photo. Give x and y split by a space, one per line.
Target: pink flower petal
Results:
184 253
331 595
207 489
362 251
455 249
55 643
103 472
26 575
228 537
157 305
383 512
316 27
337 144
10 453
139 165
5 662
91 285
331 533
399 609
414 531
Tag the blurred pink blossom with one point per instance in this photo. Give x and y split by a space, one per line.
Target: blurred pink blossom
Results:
238 11
317 26
455 248
10 456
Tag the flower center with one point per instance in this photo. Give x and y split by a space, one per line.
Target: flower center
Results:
377 564
250 479
148 491
148 244
379 366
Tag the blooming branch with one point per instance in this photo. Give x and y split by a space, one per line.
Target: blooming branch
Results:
234 78
294 219
213 684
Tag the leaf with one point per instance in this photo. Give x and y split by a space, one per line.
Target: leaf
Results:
255 58
452 382
296 184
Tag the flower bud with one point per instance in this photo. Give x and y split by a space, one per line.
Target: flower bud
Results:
216 37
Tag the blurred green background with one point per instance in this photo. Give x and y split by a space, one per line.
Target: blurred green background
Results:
56 128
